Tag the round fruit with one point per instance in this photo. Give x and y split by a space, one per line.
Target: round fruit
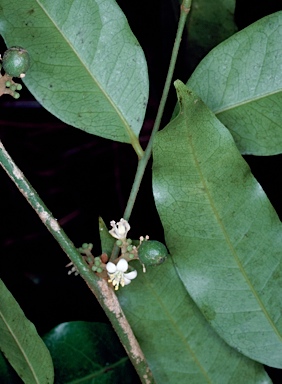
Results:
15 61
152 252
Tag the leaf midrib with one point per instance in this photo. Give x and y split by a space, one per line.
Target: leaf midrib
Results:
129 131
19 347
100 372
175 326
228 107
229 242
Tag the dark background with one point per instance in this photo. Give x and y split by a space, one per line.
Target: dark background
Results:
81 177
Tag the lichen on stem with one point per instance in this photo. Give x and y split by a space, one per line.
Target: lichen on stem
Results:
98 286
104 294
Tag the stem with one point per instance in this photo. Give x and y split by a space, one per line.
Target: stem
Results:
143 161
184 10
137 147
104 294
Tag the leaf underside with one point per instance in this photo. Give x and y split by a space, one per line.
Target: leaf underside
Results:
87 67
221 230
178 343
241 82
21 344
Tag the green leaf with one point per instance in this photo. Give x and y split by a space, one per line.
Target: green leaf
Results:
88 353
21 344
7 374
209 23
241 82
221 230
107 240
177 341
87 67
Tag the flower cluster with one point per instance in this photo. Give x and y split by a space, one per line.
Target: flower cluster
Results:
96 264
9 87
118 272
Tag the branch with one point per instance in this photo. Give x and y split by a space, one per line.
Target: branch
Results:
98 286
184 10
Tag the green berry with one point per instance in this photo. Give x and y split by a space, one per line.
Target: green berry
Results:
8 84
16 95
13 87
15 61
119 243
152 252
19 87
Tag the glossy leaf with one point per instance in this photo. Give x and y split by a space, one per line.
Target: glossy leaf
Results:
20 343
87 67
241 82
221 230
177 341
209 23
7 374
88 353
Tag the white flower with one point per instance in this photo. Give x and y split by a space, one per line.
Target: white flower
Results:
117 275
120 229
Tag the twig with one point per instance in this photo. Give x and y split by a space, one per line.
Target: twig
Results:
142 163
184 10
98 286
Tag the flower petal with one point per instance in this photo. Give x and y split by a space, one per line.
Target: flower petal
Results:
123 225
111 267
122 265
131 275
119 230
126 281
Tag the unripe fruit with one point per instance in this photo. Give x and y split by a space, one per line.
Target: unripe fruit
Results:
152 252
15 61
